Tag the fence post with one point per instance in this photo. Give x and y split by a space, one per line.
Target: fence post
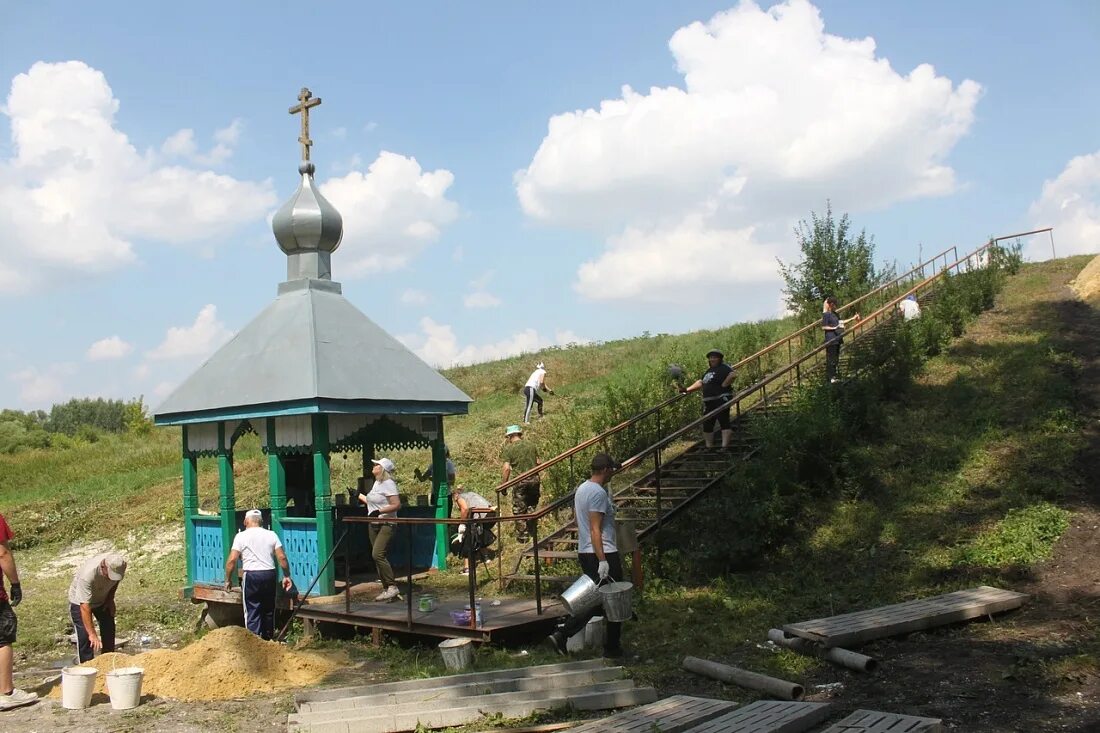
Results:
538 573
347 572
660 519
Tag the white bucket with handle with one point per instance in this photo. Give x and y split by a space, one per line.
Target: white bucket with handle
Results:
77 685
124 687
458 654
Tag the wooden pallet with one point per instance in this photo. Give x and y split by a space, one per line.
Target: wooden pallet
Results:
903 618
671 715
767 716
870 721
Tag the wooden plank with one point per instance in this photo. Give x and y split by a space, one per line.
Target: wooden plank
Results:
904 618
870 721
670 715
767 716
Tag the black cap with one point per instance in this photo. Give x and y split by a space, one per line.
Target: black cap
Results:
715 352
602 462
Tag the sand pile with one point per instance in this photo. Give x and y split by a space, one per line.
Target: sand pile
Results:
1087 282
226 663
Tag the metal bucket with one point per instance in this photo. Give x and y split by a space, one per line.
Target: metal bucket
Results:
581 597
617 601
458 654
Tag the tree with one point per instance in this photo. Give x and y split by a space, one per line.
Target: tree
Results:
832 264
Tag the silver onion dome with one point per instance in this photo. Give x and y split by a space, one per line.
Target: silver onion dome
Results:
308 229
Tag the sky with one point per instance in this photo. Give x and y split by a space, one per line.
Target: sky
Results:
511 175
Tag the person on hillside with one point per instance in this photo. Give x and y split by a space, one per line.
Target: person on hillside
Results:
383 500
909 307
535 382
10 697
597 552
258 550
520 456
92 594
833 326
470 504
717 386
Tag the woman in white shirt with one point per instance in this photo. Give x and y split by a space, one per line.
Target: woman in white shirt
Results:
382 501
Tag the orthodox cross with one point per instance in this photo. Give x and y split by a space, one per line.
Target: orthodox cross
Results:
305 101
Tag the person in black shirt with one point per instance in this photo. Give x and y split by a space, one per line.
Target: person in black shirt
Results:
717 390
833 326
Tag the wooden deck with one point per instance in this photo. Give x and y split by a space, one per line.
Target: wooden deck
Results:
869 721
674 714
512 615
903 618
767 716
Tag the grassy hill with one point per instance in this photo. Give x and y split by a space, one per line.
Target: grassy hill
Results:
971 473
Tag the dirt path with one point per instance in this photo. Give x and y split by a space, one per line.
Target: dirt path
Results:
1037 669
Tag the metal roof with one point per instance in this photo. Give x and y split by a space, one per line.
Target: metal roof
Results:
311 350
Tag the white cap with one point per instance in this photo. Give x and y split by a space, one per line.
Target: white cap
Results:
540 365
386 464
254 514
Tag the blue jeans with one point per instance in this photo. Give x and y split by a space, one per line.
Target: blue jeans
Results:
106 622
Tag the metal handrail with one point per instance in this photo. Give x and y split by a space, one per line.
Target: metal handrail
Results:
789 339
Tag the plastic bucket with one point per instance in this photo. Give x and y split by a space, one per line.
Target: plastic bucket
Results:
581 597
595 633
458 654
77 684
124 687
617 600
575 643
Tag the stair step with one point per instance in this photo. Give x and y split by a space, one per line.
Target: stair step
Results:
446 691
432 683
552 554
509 705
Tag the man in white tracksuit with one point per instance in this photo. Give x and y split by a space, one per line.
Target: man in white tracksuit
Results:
535 382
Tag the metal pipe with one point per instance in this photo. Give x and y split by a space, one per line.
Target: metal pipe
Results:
302 598
780 689
538 574
836 655
409 589
471 563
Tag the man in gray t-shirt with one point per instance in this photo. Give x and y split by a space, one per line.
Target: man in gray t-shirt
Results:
596 551
92 593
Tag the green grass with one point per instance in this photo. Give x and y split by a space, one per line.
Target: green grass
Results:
963 481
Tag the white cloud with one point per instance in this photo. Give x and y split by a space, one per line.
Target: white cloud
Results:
196 341
163 389
340 133
142 371
437 344
775 116
77 192
41 388
1071 204
391 213
112 347
370 127
481 299
414 297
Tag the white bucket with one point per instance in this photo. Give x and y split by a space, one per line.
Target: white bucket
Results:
458 654
617 600
595 633
77 684
575 643
124 687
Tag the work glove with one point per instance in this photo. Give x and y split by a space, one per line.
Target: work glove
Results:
16 594
604 570
353 496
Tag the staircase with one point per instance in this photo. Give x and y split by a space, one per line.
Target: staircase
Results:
676 480
458 700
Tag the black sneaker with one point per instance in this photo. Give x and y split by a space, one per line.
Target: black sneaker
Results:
556 641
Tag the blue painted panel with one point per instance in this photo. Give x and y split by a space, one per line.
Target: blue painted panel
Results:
300 546
207 552
423 541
